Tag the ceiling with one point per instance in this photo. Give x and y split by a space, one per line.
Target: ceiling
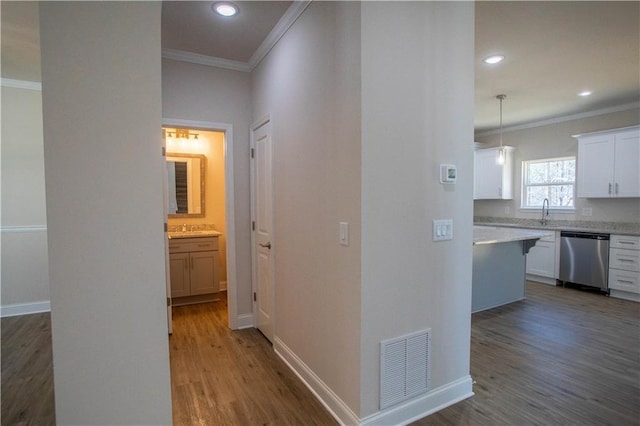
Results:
553 50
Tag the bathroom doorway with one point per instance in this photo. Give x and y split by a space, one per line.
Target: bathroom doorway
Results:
213 143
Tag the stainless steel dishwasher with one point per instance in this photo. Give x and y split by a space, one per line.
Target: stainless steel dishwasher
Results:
584 259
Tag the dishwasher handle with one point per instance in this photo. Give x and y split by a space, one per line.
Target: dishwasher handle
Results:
587 235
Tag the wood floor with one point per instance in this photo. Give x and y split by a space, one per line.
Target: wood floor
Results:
224 377
560 357
27 371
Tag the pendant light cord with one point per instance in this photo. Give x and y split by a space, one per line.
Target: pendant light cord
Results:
501 97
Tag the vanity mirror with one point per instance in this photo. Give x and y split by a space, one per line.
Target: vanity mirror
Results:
186 174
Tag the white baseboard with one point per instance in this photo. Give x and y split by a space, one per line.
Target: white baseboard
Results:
400 414
542 280
634 297
424 405
338 409
223 286
25 309
244 321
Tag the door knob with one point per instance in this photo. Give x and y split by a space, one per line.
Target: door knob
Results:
268 245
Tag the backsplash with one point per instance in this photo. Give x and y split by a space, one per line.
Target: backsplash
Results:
194 227
610 227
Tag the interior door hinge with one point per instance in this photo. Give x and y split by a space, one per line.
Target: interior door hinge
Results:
253 225
166 227
252 152
254 296
164 151
168 301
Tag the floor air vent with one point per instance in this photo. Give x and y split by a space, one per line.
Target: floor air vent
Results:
404 367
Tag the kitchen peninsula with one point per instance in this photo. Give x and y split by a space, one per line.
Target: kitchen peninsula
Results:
499 264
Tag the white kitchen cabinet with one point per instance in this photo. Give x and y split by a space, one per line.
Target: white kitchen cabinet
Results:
624 267
542 260
492 180
608 164
194 267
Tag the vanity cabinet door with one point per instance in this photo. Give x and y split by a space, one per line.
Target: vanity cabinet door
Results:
180 272
203 272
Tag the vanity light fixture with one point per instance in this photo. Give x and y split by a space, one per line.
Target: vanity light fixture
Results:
181 134
492 60
226 9
501 154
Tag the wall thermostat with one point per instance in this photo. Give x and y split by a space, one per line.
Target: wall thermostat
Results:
448 173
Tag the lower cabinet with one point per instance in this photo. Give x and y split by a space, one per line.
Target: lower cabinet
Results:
542 261
193 265
624 267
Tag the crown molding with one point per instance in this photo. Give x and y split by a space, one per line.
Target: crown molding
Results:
286 21
562 119
20 84
196 58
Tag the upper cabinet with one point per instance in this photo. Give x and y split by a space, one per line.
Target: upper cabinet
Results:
608 163
492 178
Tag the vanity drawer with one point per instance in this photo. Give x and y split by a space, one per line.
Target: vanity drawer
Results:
625 242
188 245
624 280
627 260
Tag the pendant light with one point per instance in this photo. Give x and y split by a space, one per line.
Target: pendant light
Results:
501 154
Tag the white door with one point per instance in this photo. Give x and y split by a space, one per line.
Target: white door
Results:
165 192
263 244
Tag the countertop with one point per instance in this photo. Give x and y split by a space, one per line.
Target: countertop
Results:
194 234
494 235
558 225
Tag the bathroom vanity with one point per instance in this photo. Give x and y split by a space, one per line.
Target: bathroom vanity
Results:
194 266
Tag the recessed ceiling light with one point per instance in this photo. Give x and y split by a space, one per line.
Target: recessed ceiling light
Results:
493 59
585 93
225 8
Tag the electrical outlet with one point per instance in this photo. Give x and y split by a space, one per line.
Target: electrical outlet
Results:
507 210
587 211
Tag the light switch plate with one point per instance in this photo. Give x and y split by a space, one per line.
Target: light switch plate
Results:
442 229
344 233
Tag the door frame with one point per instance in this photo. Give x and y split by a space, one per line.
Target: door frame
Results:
254 253
227 129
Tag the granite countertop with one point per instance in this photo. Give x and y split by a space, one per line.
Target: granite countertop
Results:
617 228
494 235
194 234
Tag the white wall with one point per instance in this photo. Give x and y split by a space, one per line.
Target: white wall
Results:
417 112
310 85
25 270
367 100
202 93
554 140
103 168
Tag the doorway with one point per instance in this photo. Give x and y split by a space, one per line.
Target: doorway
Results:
262 236
220 212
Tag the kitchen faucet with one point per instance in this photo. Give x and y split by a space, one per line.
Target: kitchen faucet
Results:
543 220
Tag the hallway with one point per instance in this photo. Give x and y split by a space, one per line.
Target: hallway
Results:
220 376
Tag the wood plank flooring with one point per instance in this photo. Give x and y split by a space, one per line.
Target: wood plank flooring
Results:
560 357
27 371
224 377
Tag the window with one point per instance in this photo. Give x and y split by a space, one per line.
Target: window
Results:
551 178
